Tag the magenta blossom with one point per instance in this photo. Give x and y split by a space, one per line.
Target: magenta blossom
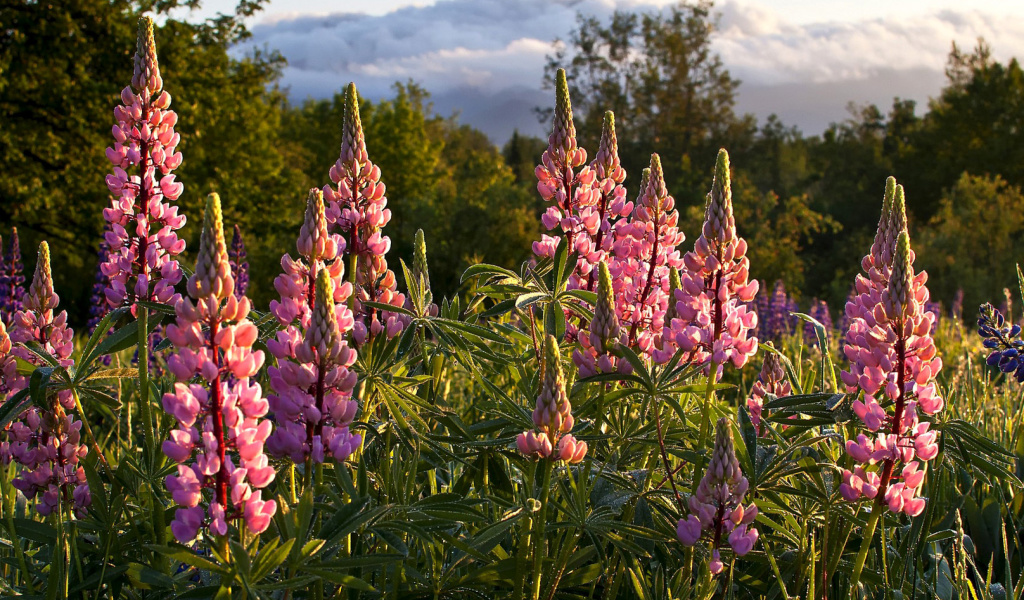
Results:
892 358
142 264
46 442
312 399
715 322
359 209
717 506
220 426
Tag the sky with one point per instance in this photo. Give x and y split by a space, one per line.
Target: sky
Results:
804 60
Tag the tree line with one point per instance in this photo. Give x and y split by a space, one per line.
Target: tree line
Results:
804 203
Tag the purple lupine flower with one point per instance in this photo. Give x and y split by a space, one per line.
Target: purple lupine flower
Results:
717 506
142 263
98 307
957 310
239 266
552 416
819 311
12 279
217 405
1003 339
936 309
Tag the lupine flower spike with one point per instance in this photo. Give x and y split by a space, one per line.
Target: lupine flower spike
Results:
610 205
772 380
819 311
552 415
142 238
645 252
220 430
892 357
46 441
312 399
359 209
715 321
604 333
239 264
564 179
717 507
12 279
1004 341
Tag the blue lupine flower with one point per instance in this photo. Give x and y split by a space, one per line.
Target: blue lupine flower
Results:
1004 340
239 266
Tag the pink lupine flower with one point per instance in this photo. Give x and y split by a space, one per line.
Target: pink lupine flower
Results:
893 357
604 333
564 179
359 209
142 264
772 380
714 320
552 415
645 254
596 238
717 506
46 442
313 385
220 419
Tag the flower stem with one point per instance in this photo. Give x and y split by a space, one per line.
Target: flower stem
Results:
866 537
540 525
705 419
143 351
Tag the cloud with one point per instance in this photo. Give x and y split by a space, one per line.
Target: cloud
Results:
467 52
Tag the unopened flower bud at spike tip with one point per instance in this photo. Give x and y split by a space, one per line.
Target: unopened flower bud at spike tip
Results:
353 141
900 279
564 130
606 322
213 270
419 258
41 289
147 69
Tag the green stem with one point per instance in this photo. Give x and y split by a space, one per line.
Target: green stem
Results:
866 538
540 525
8 508
143 350
88 430
705 421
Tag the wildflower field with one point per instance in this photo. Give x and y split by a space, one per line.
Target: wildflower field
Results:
628 414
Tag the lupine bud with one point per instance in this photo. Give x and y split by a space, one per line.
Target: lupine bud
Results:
147 70
772 380
419 259
718 504
312 382
359 209
715 323
239 264
45 440
892 356
213 269
604 333
552 415
218 406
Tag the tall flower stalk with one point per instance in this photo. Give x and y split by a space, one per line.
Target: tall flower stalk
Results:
358 208
142 239
715 323
46 440
312 399
220 430
565 180
12 279
893 359
239 264
645 253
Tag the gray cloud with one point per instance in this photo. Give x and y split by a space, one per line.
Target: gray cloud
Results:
485 58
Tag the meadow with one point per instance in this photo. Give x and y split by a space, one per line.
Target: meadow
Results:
627 414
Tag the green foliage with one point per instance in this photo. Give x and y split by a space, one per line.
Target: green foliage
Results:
971 241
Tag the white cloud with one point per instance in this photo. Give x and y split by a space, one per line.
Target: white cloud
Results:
452 47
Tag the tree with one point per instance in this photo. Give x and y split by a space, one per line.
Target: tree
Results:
974 240
669 91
